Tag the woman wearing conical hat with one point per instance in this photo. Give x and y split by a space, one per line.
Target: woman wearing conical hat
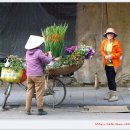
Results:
35 60
111 52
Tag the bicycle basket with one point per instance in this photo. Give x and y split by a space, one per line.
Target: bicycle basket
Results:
63 70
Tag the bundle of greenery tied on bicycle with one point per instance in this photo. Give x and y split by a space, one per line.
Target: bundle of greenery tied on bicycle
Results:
16 63
54 38
73 55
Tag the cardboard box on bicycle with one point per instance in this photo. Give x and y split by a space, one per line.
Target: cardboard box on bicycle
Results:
10 75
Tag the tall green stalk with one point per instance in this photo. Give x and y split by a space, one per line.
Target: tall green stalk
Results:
54 38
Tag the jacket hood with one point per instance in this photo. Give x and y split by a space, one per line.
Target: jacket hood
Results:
30 52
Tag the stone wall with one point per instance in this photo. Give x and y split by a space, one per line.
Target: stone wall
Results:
92 21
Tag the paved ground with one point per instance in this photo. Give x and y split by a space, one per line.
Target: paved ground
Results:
75 96
71 108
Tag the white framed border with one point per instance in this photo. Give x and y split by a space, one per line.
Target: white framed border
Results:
43 124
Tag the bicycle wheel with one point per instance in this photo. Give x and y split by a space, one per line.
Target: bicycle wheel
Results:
7 93
56 92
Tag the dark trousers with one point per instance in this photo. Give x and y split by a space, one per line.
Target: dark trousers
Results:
111 74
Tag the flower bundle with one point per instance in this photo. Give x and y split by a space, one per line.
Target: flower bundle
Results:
90 53
70 50
54 38
83 50
75 55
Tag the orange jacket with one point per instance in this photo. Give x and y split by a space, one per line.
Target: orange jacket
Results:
116 52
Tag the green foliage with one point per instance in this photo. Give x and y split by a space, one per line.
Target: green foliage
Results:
16 63
1 65
76 57
54 38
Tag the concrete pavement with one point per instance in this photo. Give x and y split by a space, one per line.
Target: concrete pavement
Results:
75 96
70 110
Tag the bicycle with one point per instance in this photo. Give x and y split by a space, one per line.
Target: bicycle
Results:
53 96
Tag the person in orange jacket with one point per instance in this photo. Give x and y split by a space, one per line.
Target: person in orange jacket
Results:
111 52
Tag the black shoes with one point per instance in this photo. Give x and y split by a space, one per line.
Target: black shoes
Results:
28 113
41 112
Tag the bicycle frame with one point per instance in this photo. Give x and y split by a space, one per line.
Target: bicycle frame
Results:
55 93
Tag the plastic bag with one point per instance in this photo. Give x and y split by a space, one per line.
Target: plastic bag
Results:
9 75
24 76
